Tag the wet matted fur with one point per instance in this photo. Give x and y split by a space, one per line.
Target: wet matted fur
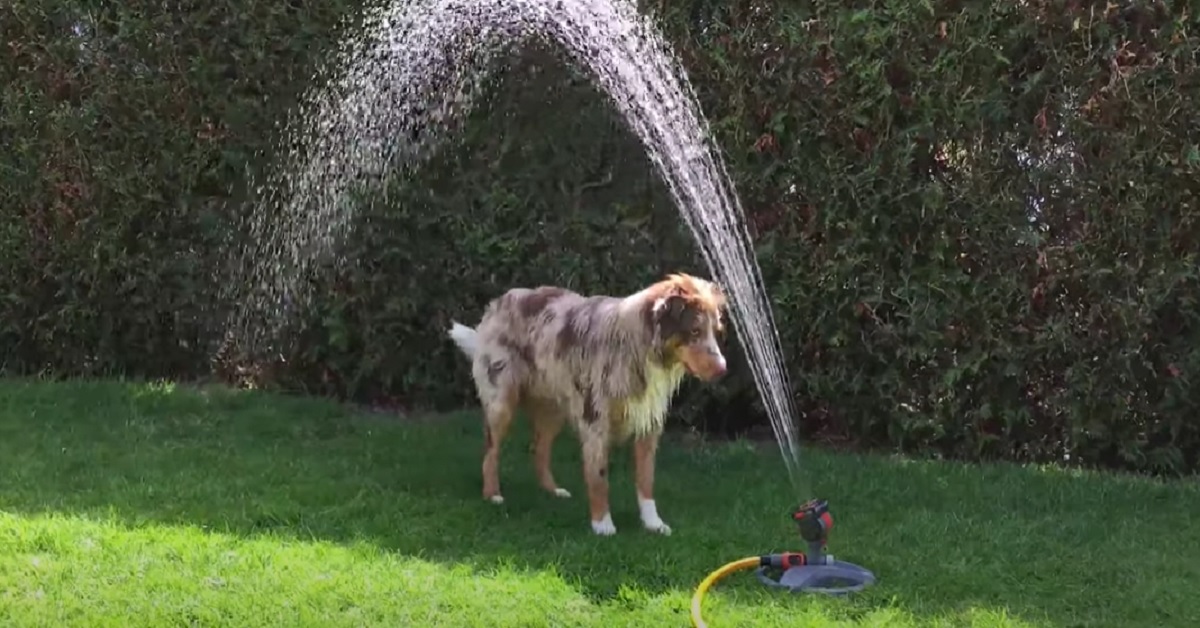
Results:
608 365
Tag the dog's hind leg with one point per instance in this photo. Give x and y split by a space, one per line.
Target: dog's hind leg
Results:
497 418
547 423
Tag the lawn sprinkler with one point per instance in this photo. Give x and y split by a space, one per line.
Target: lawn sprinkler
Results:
814 571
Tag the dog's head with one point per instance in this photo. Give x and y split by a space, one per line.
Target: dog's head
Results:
686 315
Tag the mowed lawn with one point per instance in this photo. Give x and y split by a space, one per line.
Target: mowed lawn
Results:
127 504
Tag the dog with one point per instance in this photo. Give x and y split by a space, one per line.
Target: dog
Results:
609 366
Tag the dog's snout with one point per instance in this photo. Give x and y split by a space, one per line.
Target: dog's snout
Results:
719 367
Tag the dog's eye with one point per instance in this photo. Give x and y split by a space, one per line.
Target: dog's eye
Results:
694 333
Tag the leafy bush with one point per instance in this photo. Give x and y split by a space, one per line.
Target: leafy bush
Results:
978 223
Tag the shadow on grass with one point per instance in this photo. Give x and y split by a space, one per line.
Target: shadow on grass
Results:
943 538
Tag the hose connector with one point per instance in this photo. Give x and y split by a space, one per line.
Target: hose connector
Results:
786 560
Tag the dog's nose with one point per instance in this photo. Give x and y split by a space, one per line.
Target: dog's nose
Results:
719 368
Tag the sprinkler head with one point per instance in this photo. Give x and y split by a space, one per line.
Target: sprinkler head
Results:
814 520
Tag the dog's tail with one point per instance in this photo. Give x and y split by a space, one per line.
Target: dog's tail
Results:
464 337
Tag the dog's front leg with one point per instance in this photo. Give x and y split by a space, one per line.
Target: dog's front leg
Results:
595 473
644 451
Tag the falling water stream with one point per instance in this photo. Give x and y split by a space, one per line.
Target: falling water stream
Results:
384 102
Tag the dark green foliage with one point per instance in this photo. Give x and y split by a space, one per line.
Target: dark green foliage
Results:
889 155
126 128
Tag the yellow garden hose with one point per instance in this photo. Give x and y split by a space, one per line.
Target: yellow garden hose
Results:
698 597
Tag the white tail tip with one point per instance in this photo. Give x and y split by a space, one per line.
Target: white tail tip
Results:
464 337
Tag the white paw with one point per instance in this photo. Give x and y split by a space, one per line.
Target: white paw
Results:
496 499
605 526
562 492
650 519
657 525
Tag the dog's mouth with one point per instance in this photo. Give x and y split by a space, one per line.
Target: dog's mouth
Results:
707 372
711 376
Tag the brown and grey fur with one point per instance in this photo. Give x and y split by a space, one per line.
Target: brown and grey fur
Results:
608 365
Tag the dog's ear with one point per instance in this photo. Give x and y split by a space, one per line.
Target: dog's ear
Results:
669 306
669 315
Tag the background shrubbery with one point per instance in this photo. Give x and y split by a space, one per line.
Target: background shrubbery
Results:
978 221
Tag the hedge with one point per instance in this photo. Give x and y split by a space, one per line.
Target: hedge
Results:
977 221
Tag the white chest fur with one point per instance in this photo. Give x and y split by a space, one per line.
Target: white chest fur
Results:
647 413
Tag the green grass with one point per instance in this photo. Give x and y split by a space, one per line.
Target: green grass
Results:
136 505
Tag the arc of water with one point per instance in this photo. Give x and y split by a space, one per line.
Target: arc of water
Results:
392 83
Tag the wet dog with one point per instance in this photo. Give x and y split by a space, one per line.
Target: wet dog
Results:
607 365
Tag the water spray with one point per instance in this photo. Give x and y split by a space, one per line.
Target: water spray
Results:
814 571
392 80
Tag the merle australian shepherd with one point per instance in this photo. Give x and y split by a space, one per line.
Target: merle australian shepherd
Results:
608 365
